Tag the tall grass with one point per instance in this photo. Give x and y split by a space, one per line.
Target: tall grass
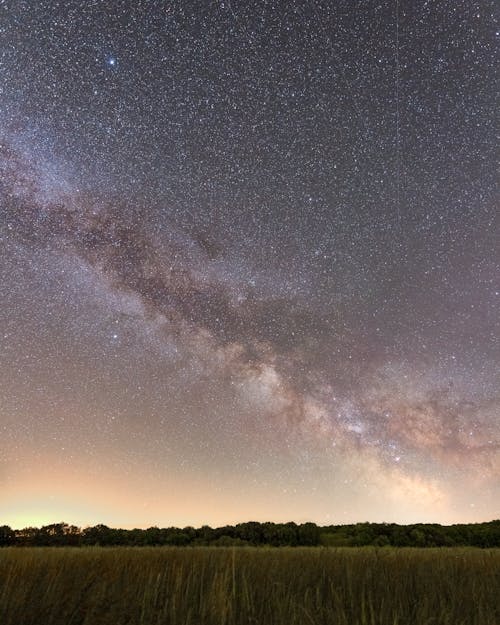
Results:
249 586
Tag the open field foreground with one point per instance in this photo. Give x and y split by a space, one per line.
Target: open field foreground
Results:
240 586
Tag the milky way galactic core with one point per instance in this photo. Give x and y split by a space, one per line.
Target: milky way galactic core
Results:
249 262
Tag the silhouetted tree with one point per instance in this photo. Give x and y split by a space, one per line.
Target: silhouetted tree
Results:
7 536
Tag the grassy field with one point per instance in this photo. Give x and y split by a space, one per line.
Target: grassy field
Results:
258 586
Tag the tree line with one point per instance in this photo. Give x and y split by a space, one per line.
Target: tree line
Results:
254 533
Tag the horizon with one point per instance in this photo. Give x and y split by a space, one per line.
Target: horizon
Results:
215 527
249 262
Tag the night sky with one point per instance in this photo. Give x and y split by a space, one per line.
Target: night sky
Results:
249 262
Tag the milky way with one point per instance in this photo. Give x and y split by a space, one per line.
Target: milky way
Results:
249 262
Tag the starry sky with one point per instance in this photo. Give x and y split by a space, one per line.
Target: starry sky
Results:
249 262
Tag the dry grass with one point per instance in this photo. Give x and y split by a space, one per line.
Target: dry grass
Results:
244 586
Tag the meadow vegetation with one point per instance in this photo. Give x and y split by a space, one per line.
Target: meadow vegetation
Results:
249 586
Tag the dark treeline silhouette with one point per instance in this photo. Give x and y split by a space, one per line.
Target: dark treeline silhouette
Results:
253 533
